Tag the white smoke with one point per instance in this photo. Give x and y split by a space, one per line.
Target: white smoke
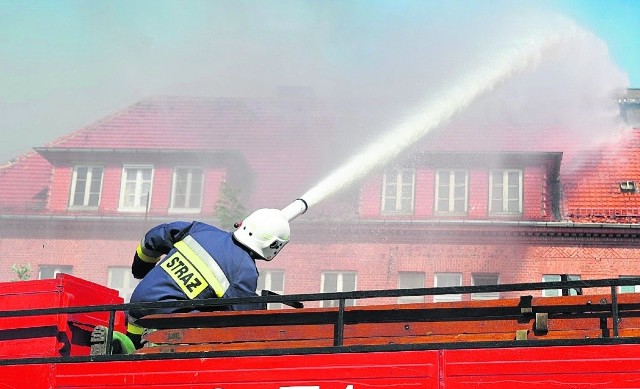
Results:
542 92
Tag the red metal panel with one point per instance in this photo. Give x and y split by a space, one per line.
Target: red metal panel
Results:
52 335
595 367
331 371
563 367
27 376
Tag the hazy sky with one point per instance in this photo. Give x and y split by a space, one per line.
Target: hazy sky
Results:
66 64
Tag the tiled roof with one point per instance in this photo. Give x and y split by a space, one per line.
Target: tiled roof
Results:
289 143
278 137
24 184
591 182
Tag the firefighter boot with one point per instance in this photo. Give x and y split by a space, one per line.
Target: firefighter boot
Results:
120 344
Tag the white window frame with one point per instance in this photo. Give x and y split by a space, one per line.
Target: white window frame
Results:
504 210
557 278
57 269
475 277
266 277
629 288
139 184
191 172
129 283
395 176
91 170
406 280
438 279
451 191
340 287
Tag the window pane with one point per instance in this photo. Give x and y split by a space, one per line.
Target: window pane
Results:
82 173
187 188
391 186
389 204
50 271
348 282
485 279
629 288
78 197
271 280
557 278
117 278
513 206
506 191
410 280
136 188
86 185
398 190
447 279
277 280
121 279
497 178
338 282
330 282
180 201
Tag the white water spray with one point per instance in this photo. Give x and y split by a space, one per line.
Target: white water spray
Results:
443 107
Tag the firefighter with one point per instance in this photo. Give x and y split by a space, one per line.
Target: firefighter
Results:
201 262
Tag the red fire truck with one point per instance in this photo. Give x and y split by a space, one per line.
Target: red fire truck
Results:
577 340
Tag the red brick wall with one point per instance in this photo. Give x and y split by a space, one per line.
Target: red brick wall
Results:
213 180
424 194
534 185
371 196
161 190
59 190
377 265
111 182
478 193
90 258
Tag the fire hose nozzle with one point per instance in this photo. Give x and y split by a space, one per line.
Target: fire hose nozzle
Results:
295 209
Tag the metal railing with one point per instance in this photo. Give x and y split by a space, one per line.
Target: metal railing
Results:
342 316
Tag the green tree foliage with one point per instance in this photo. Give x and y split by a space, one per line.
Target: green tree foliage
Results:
228 209
23 272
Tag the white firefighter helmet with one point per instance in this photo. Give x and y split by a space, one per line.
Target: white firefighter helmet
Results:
265 231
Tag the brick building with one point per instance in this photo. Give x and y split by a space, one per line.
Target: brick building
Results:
504 206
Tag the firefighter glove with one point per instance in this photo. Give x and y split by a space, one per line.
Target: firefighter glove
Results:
140 268
142 263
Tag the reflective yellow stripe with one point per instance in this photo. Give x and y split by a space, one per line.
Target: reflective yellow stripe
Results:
134 329
205 264
185 273
144 256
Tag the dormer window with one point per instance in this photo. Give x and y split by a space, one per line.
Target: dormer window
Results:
86 187
628 187
505 192
186 193
397 191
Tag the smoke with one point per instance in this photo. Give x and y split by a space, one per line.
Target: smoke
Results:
496 69
375 62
